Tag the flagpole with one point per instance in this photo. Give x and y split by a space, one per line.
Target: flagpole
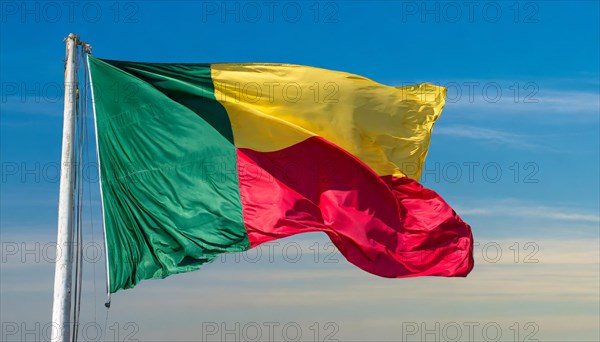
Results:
61 307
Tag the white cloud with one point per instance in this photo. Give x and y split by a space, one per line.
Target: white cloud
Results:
551 101
491 136
561 287
518 208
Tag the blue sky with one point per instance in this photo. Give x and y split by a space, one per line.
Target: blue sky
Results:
516 152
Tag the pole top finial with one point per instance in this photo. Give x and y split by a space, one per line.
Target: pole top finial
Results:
87 48
72 36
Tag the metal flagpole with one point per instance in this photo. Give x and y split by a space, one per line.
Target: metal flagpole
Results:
61 307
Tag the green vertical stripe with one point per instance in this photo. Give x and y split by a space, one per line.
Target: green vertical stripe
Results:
169 177
188 84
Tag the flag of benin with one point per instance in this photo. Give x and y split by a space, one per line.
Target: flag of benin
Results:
202 159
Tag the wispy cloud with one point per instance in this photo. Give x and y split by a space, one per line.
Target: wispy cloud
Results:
576 97
518 208
522 96
491 136
560 278
551 101
556 101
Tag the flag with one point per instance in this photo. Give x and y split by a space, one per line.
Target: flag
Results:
202 159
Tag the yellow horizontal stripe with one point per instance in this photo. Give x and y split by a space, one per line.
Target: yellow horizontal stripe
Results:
274 106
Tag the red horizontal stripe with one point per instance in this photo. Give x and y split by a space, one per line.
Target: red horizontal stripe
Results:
391 227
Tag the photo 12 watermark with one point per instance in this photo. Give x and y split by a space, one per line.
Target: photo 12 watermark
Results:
87 331
218 168
292 252
486 12
69 12
269 331
36 252
470 331
527 172
272 12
